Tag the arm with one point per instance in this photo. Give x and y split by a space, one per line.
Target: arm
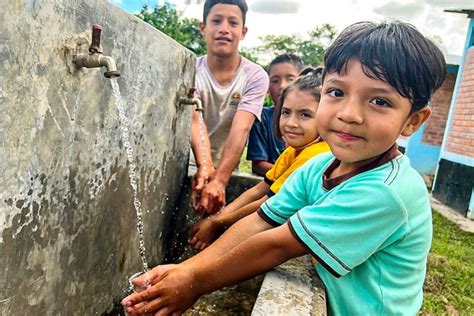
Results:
261 167
231 259
201 147
205 232
213 194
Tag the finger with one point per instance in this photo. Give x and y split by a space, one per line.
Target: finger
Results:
197 246
203 246
163 312
192 241
152 306
132 310
204 203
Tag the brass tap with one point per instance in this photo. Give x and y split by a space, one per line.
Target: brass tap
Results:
95 58
191 99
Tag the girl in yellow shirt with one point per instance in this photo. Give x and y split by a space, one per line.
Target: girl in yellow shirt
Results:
294 120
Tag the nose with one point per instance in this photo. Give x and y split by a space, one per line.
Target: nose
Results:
224 27
292 121
352 112
283 84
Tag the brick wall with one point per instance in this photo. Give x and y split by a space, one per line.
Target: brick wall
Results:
461 135
436 124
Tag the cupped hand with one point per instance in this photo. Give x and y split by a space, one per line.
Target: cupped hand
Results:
203 233
174 290
200 180
212 197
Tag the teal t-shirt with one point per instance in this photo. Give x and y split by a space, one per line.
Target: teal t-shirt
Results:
371 234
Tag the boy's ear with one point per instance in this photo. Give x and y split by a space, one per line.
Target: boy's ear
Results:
201 27
244 31
416 120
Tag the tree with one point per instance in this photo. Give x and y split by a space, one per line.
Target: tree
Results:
171 22
310 50
183 30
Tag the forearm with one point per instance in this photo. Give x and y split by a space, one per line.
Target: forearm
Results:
239 232
253 256
253 194
261 167
225 220
230 159
234 145
200 143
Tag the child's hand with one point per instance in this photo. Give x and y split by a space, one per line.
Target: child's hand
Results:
173 291
203 233
200 179
212 198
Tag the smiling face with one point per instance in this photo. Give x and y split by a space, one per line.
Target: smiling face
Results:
223 30
281 75
298 118
361 117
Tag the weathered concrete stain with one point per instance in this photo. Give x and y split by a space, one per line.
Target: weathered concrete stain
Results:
67 224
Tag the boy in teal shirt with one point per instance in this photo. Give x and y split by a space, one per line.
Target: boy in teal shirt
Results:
361 211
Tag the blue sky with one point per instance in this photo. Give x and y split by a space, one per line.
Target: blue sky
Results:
134 5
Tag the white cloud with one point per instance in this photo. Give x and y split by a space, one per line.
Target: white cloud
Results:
275 7
427 15
407 10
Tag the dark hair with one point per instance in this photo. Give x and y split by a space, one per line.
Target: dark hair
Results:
210 3
286 58
308 80
394 52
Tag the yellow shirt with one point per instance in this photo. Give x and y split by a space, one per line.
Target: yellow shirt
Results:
289 161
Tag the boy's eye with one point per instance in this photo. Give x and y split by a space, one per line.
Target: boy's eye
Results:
285 112
380 102
274 81
215 21
336 93
306 114
234 23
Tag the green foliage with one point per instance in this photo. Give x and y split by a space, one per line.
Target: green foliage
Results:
450 279
310 50
171 22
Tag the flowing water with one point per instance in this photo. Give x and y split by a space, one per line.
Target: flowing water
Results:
132 171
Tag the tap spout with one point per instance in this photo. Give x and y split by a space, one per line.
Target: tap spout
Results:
191 99
97 60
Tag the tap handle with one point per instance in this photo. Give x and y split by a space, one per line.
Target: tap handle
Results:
192 92
95 46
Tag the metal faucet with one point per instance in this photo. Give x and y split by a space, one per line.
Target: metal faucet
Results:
95 58
191 99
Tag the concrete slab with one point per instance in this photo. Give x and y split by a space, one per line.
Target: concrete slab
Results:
463 223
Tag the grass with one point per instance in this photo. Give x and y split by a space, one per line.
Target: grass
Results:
449 285
245 165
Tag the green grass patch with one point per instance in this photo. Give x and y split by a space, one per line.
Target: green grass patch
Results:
449 285
244 164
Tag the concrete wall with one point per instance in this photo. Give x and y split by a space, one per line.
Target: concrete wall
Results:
67 223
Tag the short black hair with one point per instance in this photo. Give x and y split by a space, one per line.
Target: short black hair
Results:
394 52
210 3
308 80
286 58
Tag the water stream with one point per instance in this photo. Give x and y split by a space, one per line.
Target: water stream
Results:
132 170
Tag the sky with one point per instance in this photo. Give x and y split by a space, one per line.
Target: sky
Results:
298 17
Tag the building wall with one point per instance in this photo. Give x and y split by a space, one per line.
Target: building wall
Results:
461 135
68 238
441 100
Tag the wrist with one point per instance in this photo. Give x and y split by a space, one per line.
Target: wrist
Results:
215 177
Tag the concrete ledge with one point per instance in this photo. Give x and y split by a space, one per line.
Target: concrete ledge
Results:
463 223
291 289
